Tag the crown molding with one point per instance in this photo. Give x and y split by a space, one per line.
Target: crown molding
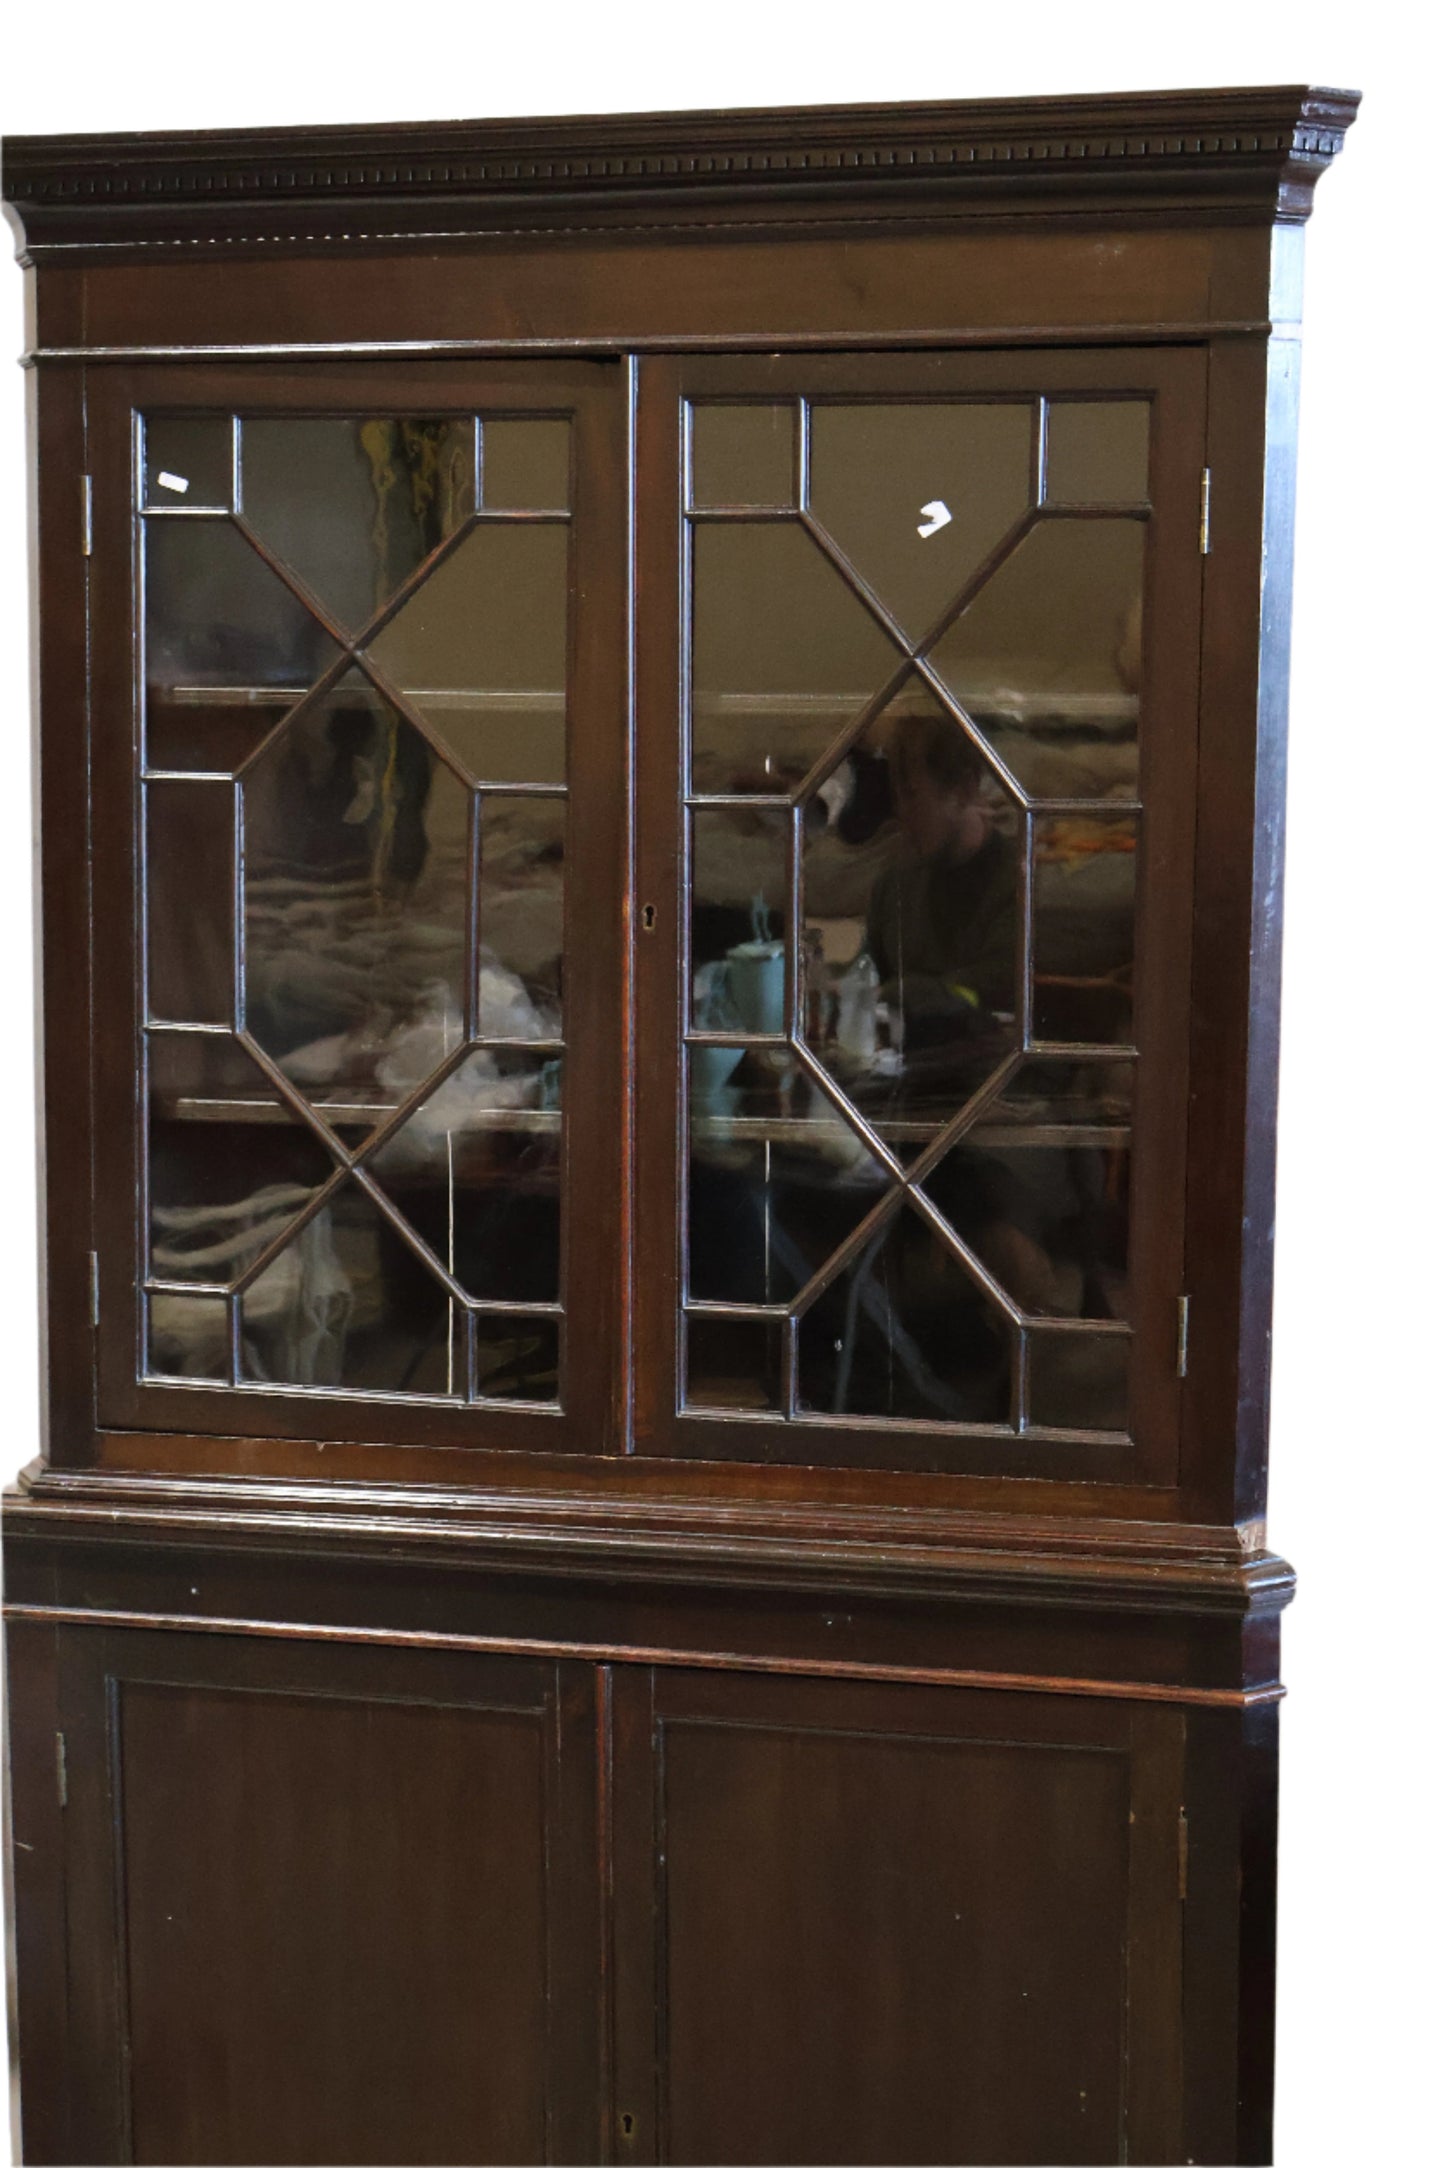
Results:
1256 149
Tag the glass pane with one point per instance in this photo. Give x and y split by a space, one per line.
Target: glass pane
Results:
520 911
910 892
189 462
347 1305
518 1358
481 651
355 901
1098 451
744 455
190 902
739 908
1046 659
1039 1188
477 1169
230 1166
526 466
734 1363
784 654
188 1336
1084 928
228 647
904 1333
917 495
353 506
1078 1380
777 1178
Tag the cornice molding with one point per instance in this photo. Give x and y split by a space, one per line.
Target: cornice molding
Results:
1266 147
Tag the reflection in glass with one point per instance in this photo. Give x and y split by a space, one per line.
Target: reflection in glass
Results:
346 1304
1078 1380
739 906
481 651
230 1164
526 466
777 1178
519 1359
1045 660
1098 451
916 496
903 1332
784 654
188 1336
354 506
520 894
228 647
355 900
476 1170
1084 928
744 455
734 1363
1038 1188
190 901
910 891
189 462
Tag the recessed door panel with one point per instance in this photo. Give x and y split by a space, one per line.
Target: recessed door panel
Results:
898 1925
345 1897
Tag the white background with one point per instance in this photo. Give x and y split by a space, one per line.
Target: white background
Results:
1358 1430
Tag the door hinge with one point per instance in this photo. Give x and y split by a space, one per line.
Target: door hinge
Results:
94 1288
85 515
1181 1339
1204 485
1183 1854
62 1784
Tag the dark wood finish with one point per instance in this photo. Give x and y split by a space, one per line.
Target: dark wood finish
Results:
640 1753
851 1909
1174 382
269 1957
589 1419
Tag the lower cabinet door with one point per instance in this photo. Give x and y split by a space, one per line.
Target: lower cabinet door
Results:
328 1903
889 1923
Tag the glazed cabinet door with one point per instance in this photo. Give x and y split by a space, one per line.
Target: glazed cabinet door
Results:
864 1922
356 726
918 711
323 1903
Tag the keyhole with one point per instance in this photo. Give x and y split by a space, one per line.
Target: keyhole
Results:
628 2122
649 917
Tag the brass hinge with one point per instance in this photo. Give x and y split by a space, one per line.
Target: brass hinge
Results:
1181 1339
1204 481
94 1288
62 1786
85 515
1183 1854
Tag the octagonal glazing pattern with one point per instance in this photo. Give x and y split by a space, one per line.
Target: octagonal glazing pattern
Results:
354 822
913 817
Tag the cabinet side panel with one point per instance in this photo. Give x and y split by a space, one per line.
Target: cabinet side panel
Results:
36 1892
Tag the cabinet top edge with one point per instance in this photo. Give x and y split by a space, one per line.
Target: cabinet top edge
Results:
1279 137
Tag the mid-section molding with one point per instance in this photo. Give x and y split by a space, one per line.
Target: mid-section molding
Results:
1266 147
791 1545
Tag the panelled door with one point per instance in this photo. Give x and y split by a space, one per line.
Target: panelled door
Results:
877 1922
357 728
917 742
363 1903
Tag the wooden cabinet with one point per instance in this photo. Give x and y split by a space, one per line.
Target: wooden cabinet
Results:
660 773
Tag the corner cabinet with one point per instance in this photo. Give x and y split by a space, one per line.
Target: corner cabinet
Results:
661 770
